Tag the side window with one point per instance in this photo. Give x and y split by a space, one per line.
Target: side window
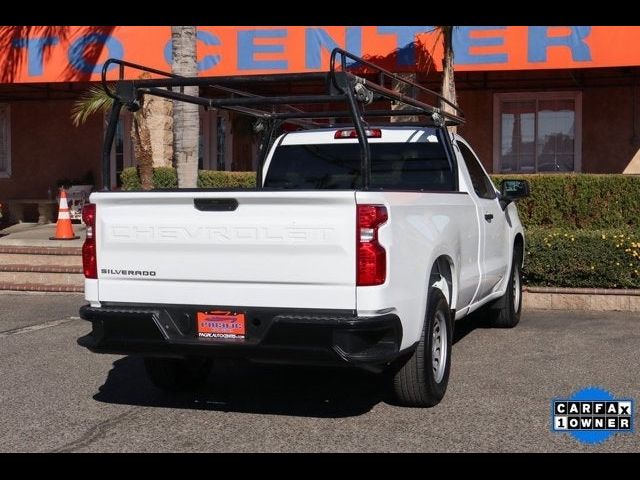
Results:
481 183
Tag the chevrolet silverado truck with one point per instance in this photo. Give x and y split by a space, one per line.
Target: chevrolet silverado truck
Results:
336 258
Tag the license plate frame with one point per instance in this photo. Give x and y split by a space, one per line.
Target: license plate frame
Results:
221 325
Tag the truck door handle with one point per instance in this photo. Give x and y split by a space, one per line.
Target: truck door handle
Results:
215 204
488 217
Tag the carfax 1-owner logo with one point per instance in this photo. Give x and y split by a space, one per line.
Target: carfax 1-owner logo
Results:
592 415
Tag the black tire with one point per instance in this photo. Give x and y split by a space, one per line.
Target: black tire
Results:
177 374
505 312
415 384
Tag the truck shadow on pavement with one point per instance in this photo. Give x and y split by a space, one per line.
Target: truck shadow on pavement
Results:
252 388
262 389
465 326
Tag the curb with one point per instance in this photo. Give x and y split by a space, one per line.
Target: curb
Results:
598 299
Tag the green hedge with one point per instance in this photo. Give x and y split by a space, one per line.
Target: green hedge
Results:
580 201
558 200
217 179
608 258
163 177
581 230
166 177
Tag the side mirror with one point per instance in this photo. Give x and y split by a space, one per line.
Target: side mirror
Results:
512 190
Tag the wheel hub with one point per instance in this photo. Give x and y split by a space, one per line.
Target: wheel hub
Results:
439 346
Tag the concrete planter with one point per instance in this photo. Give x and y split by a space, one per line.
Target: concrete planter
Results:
552 298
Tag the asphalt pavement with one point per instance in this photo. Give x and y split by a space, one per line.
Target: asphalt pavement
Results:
55 396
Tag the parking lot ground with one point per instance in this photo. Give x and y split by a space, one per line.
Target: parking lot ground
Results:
57 396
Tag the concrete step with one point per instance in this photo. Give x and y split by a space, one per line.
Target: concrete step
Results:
30 267
37 250
42 278
28 259
37 287
36 265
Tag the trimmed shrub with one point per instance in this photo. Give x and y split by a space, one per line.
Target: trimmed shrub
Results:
165 177
608 258
580 200
130 179
221 179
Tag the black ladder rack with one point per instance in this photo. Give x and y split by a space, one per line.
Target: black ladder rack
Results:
343 86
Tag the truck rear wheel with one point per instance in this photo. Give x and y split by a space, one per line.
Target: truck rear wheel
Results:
422 380
505 312
177 374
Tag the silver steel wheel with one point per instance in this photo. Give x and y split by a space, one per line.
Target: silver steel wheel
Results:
439 346
517 292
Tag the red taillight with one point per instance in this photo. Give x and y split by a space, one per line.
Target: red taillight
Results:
89 255
89 259
371 256
89 218
371 216
352 133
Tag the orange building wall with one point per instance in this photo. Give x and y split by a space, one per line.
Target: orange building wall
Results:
478 111
46 148
607 129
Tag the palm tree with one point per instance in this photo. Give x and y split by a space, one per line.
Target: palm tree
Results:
448 88
186 116
156 118
95 100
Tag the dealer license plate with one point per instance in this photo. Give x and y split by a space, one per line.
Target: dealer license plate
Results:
221 324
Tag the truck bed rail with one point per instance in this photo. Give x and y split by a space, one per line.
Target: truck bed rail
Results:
347 96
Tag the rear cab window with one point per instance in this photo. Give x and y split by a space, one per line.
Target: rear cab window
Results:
417 166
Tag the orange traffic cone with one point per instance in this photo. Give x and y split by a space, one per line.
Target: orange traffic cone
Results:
64 229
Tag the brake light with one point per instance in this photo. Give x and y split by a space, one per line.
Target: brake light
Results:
89 254
352 133
371 257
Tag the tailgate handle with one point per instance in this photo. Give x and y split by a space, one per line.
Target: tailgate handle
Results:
215 204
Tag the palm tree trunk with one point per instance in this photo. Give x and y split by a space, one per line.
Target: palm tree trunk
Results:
142 148
186 117
448 80
159 117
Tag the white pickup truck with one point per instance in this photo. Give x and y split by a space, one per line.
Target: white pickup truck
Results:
311 268
360 245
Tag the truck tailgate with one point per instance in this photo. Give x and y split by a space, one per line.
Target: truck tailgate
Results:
275 249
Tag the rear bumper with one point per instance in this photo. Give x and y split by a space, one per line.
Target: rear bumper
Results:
318 337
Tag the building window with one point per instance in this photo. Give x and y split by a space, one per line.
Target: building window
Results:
221 141
216 140
537 132
5 141
122 155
